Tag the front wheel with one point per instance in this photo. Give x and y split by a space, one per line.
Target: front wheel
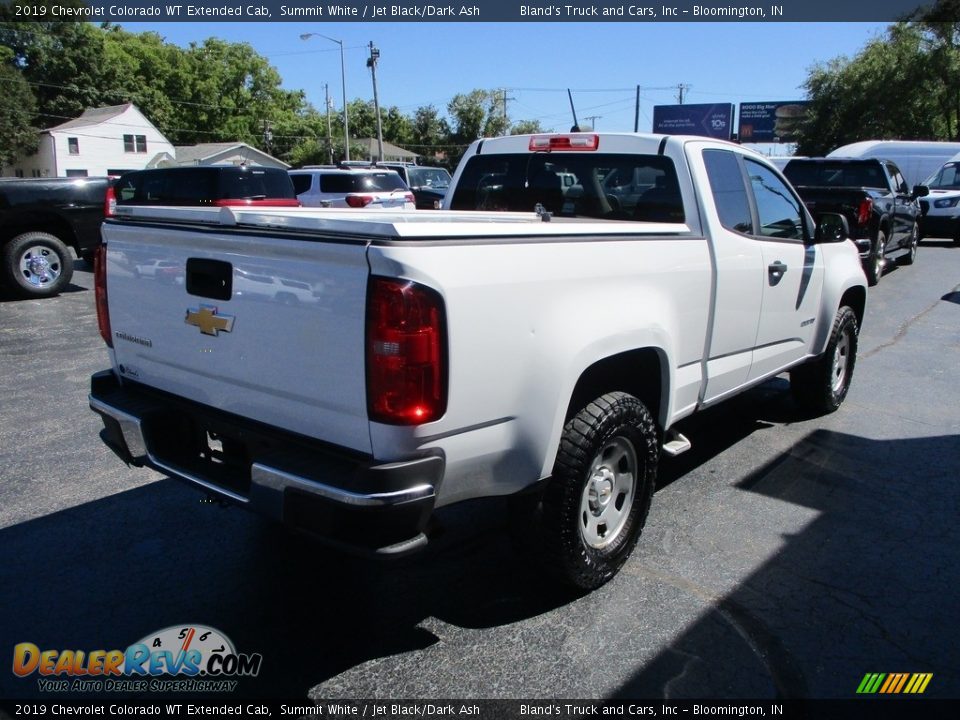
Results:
597 501
911 255
35 265
822 385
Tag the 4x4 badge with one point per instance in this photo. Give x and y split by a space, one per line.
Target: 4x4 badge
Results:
208 320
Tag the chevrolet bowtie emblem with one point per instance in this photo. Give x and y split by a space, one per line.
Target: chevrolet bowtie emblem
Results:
210 323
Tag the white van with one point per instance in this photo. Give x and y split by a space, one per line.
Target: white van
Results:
941 208
917 159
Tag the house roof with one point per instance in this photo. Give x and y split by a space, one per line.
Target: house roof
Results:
93 116
389 149
196 154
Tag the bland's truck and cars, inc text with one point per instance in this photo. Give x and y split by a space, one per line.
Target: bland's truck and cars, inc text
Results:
539 338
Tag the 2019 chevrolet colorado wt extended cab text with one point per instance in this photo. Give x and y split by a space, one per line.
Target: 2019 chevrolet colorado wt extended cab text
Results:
481 350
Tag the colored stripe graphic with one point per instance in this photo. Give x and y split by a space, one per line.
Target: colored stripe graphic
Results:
894 683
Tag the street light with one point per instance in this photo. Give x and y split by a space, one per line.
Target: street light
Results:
343 82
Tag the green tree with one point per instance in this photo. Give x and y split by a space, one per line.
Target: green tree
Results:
18 136
897 87
526 127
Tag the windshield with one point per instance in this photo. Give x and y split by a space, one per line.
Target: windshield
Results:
947 178
429 177
594 185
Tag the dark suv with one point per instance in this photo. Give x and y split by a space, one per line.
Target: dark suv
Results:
214 185
429 184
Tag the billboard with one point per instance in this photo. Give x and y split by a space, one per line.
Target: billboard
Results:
771 122
715 121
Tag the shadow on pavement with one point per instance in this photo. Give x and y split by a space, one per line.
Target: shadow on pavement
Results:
869 585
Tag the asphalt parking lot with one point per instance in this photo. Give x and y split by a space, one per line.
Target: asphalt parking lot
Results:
784 556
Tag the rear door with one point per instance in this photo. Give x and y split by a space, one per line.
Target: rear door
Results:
270 328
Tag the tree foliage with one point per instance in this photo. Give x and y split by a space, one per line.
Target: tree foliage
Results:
18 136
213 91
904 85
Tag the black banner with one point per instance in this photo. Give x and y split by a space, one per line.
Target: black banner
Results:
755 11
885 708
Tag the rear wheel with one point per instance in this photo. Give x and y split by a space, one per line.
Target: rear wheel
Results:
822 384
35 265
595 506
874 264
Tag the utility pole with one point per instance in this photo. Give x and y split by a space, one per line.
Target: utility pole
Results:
592 119
372 64
506 121
681 88
343 82
326 90
636 112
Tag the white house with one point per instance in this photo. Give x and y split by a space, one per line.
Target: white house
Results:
102 141
228 153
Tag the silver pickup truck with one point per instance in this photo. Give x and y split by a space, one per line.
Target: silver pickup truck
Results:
539 338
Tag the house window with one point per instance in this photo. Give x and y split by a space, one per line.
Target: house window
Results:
19 173
135 143
73 145
76 173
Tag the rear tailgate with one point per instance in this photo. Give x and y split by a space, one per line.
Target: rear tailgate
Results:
835 200
270 328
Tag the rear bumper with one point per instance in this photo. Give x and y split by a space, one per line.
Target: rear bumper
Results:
347 499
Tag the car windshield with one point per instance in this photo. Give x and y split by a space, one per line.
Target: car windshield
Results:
429 177
947 178
594 185
835 174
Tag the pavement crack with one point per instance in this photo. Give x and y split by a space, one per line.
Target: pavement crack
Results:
903 329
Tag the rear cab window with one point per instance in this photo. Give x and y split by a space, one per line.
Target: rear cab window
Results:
583 185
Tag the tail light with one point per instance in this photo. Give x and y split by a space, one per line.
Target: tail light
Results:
863 211
406 353
359 201
100 293
110 203
410 198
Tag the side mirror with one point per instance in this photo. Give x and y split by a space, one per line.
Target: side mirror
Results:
920 191
831 228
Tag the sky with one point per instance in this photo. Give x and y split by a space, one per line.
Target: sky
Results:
602 63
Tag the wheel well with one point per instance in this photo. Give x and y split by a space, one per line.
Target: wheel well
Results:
38 222
856 299
638 372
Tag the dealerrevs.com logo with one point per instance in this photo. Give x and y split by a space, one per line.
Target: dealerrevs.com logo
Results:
181 658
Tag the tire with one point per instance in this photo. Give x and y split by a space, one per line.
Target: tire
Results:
822 384
36 265
596 503
874 264
911 255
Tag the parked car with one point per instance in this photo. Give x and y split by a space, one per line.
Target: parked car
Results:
881 209
40 219
226 185
941 209
429 184
349 186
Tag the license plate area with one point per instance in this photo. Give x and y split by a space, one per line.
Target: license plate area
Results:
203 447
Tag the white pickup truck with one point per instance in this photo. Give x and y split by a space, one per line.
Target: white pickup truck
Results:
487 349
